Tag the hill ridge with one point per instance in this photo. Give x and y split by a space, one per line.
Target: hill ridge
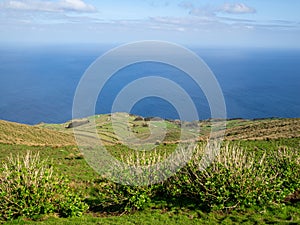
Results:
58 135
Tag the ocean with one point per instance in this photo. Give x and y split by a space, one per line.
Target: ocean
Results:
38 83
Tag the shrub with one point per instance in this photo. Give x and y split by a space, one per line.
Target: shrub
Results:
237 178
28 188
122 198
138 192
233 178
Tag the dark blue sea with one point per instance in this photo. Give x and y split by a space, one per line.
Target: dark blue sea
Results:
38 83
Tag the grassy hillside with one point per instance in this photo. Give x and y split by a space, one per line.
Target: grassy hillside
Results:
263 129
54 142
237 129
15 133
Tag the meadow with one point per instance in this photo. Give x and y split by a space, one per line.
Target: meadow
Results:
254 180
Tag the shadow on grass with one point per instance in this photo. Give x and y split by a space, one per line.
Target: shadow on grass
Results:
164 203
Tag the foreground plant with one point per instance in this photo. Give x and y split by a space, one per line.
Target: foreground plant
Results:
232 178
28 188
237 178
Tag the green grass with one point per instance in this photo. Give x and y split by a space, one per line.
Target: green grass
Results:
80 172
269 145
83 178
76 169
66 160
284 215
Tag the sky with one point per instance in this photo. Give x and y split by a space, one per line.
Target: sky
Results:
245 23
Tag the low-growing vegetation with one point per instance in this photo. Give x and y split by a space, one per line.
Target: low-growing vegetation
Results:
255 180
235 179
28 188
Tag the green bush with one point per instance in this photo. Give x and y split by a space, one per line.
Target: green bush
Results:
233 178
28 188
237 178
122 198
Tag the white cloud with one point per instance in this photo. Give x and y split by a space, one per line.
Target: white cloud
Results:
236 8
48 6
209 10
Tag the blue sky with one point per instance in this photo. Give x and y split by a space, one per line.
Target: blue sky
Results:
247 23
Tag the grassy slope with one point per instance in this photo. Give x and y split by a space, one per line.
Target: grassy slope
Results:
239 129
263 129
14 133
55 142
